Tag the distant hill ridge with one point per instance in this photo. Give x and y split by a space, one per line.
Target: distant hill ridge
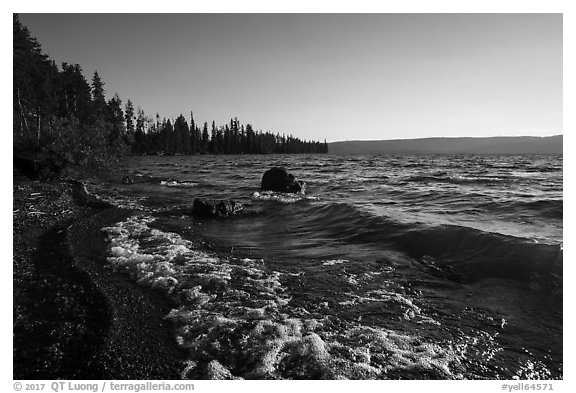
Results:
466 145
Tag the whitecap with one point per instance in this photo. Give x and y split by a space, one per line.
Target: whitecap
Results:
175 183
332 262
281 197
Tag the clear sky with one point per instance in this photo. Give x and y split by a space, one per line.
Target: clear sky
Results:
333 76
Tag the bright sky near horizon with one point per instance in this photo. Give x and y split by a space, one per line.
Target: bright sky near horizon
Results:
333 76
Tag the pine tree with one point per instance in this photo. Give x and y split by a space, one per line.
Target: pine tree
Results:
177 142
115 117
129 116
205 138
193 138
169 136
75 95
181 135
213 139
139 145
98 95
227 140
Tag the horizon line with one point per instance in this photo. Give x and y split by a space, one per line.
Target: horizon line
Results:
449 137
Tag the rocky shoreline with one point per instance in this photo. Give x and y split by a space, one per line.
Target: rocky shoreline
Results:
73 318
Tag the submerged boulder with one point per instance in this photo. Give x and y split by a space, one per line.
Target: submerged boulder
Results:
279 180
127 180
208 208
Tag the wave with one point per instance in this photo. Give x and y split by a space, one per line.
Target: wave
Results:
547 208
236 319
444 178
163 181
459 253
467 255
178 184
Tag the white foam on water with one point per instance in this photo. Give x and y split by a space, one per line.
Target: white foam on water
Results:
181 184
281 197
333 262
115 198
532 369
235 317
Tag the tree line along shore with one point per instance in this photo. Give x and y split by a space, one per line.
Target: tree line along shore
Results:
60 120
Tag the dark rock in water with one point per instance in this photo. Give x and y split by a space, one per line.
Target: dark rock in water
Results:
85 197
278 179
208 208
127 180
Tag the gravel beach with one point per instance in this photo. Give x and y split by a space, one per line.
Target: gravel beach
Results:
73 318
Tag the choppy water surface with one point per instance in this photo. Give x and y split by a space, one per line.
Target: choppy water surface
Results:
410 267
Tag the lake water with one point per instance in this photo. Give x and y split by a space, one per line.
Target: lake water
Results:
390 267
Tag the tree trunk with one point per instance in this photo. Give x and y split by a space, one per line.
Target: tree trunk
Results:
66 98
38 125
23 117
